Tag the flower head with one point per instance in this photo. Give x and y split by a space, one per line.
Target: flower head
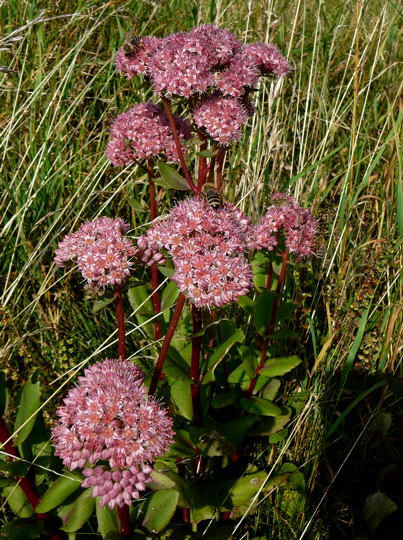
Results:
115 427
241 73
203 59
142 132
101 252
267 57
135 61
206 246
289 219
221 118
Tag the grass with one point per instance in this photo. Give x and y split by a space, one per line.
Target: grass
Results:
329 133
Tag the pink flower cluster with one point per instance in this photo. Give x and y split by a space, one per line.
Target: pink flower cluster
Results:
205 57
108 420
221 117
207 248
204 62
286 218
102 253
142 132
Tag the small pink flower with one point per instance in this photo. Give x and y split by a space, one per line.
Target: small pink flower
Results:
142 132
207 248
110 428
267 57
240 73
221 118
102 253
135 62
286 218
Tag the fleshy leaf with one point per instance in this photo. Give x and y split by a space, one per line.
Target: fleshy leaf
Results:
219 353
107 520
264 407
180 393
170 178
160 508
27 410
80 511
280 366
59 490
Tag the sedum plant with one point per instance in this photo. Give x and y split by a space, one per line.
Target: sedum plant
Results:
164 448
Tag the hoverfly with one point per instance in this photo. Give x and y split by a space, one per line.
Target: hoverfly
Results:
132 45
212 196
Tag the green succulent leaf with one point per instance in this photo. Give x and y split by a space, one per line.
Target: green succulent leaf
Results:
107 520
59 490
180 394
280 366
264 407
17 501
80 511
170 178
161 507
262 310
269 425
219 354
28 409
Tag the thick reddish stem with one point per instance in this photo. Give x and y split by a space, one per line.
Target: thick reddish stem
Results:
120 317
195 366
220 164
167 341
154 270
272 322
124 520
203 166
175 134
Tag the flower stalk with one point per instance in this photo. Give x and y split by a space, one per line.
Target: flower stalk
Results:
167 342
154 270
120 317
171 120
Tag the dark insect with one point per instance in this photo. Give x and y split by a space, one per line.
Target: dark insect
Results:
212 196
132 45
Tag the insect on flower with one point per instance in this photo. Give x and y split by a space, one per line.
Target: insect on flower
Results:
212 196
132 45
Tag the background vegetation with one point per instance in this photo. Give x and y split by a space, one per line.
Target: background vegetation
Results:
328 133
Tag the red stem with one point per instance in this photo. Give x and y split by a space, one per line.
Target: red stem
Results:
171 121
203 166
26 484
195 366
220 164
167 341
120 317
271 325
154 270
124 520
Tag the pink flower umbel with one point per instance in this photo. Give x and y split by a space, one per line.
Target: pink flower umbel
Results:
286 218
207 249
143 132
132 59
108 420
101 252
205 59
268 58
221 118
